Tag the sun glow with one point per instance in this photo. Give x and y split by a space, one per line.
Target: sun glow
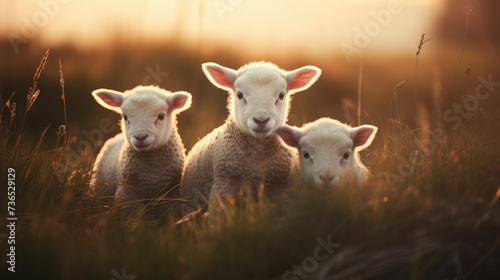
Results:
319 26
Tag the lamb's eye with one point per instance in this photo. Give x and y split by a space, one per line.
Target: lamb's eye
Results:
346 156
282 96
125 117
240 95
161 116
306 155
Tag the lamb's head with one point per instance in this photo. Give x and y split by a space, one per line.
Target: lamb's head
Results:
259 93
328 150
148 113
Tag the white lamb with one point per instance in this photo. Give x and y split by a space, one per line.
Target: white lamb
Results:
329 151
148 156
245 151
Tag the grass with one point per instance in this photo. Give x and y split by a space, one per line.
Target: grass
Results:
439 220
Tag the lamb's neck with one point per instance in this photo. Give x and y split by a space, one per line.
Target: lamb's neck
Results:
265 146
152 169
165 151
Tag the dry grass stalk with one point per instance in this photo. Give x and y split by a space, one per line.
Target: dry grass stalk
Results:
62 128
467 11
360 80
467 71
12 108
423 123
33 92
397 88
422 41
419 48
436 94
347 109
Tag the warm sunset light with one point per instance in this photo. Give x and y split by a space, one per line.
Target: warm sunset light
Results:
249 139
247 26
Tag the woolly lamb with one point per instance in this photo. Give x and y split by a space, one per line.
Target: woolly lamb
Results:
245 151
328 151
148 156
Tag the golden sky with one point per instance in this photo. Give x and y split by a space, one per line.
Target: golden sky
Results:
315 26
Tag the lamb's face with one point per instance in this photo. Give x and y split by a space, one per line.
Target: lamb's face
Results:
325 158
146 122
327 150
259 102
260 93
148 113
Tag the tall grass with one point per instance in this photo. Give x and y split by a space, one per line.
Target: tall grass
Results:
467 9
62 128
360 82
419 49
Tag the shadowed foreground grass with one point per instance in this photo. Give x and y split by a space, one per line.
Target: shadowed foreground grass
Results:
436 216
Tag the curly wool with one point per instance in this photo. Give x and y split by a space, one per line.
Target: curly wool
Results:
227 159
140 175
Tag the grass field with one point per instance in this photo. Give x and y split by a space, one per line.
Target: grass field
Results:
430 210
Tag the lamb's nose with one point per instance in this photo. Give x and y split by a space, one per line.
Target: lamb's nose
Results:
140 137
261 122
326 178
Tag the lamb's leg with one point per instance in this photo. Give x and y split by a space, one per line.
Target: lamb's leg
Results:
222 190
103 189
130 197
120 195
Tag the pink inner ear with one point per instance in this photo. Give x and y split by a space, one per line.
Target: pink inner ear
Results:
220 77
108 99
288 137
179 102
301 80
361 137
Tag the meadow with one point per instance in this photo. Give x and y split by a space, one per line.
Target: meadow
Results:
429 211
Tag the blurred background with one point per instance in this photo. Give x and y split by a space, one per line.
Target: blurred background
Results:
359 44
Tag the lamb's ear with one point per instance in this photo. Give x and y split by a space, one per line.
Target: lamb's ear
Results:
290 135
222 77
362 136
179 101
109 99
302 78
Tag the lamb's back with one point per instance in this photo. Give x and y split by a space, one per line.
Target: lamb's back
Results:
104 176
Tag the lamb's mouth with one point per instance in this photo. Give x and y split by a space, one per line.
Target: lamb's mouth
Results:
261 130
142 147
326 188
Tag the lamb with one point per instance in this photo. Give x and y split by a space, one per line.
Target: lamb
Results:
245 151
329 151
148 156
